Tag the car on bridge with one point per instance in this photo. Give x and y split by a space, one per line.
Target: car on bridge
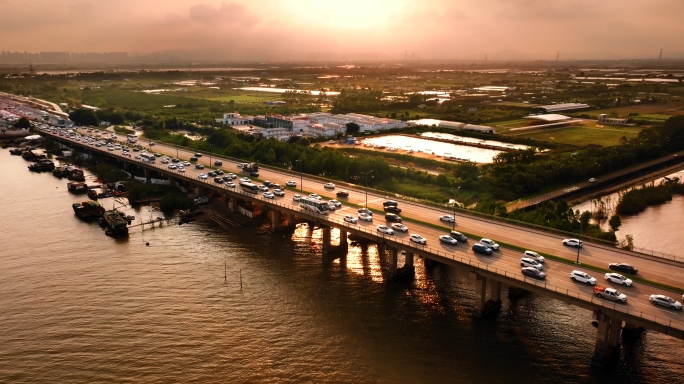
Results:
391 217
329 186
193 158
447 218
164 161
390 202
218 172
481 248
218 163
296 198
181 169
448 240
336 203
199 166
279 192
573 243
211 174
267 183
385 229
489 243
246 179
582 277
263 188
527 262
291 183
218 180
399 227
366 211
365 217
186 164
269 195
202 176
392 209
666 301
196 154
592 180
533 273
172 166
535 256
458 236
610 294
231 175
342 194
350 219
314 196
415 238
618 279
230 184
622 267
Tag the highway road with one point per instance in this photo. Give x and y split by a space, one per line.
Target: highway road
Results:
557 272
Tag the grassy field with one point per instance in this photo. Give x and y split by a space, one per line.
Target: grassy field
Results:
586 135
661 110
246 98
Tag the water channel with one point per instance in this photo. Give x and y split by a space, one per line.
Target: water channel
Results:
80 307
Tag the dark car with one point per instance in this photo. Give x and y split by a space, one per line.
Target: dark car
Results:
533 273
390 202
218 180
342 194
622 267
174 160
198 155
199 166
393 218
366 210
392 209
227 178
219 172
268 183
194 158
458 236
218 163
480 248
211 174
276 186
254 174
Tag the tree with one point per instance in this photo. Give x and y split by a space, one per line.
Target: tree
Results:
352 128
615 222
584 219
22 123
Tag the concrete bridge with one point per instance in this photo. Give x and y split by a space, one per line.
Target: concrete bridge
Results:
493 271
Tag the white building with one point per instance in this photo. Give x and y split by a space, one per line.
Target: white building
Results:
235 119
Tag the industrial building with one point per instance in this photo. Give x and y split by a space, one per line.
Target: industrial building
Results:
604 119
553 108
465 127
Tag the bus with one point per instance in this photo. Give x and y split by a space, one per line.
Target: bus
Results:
249 187
148 157
313 205
132 139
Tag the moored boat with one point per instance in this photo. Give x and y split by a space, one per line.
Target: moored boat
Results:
88 210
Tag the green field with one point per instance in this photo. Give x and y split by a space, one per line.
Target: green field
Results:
585 135
246 98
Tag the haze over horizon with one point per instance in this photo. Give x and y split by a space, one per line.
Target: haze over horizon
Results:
310 30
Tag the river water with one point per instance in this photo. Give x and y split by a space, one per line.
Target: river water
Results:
80 307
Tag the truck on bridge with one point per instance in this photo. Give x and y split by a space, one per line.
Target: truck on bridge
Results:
251 168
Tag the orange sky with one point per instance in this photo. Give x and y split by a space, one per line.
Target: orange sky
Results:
293 29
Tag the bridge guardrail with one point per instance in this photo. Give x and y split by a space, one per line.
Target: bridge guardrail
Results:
467 212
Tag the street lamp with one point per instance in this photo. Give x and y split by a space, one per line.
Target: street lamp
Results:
453 223
366 173
301 174
578 248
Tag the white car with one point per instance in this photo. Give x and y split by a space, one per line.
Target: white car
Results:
186 164
279 192
230 184
125 153
448 239
291 183
331 206
527 262
618 279
232 175
336 203
181 169
351 219
172 166
385 229
263 188
666 301
246 179
417 239
365 217
489 243
329 186
269 195
164 161
582 277
138 157
314 196
592 180
447 218
535 256
573 243
296 197
399 227
202 176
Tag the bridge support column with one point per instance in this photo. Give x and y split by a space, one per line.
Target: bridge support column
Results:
483 306
233 204
397 273
631 329
126 165
199 190
607 346
328 248
276 225
148 176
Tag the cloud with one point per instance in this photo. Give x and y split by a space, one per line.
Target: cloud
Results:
226 13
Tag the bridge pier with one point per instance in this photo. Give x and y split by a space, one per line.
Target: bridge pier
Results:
233 204
126 165
199 190
394 272
277 225
631 329
148 176
607 346
328 248
483 306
